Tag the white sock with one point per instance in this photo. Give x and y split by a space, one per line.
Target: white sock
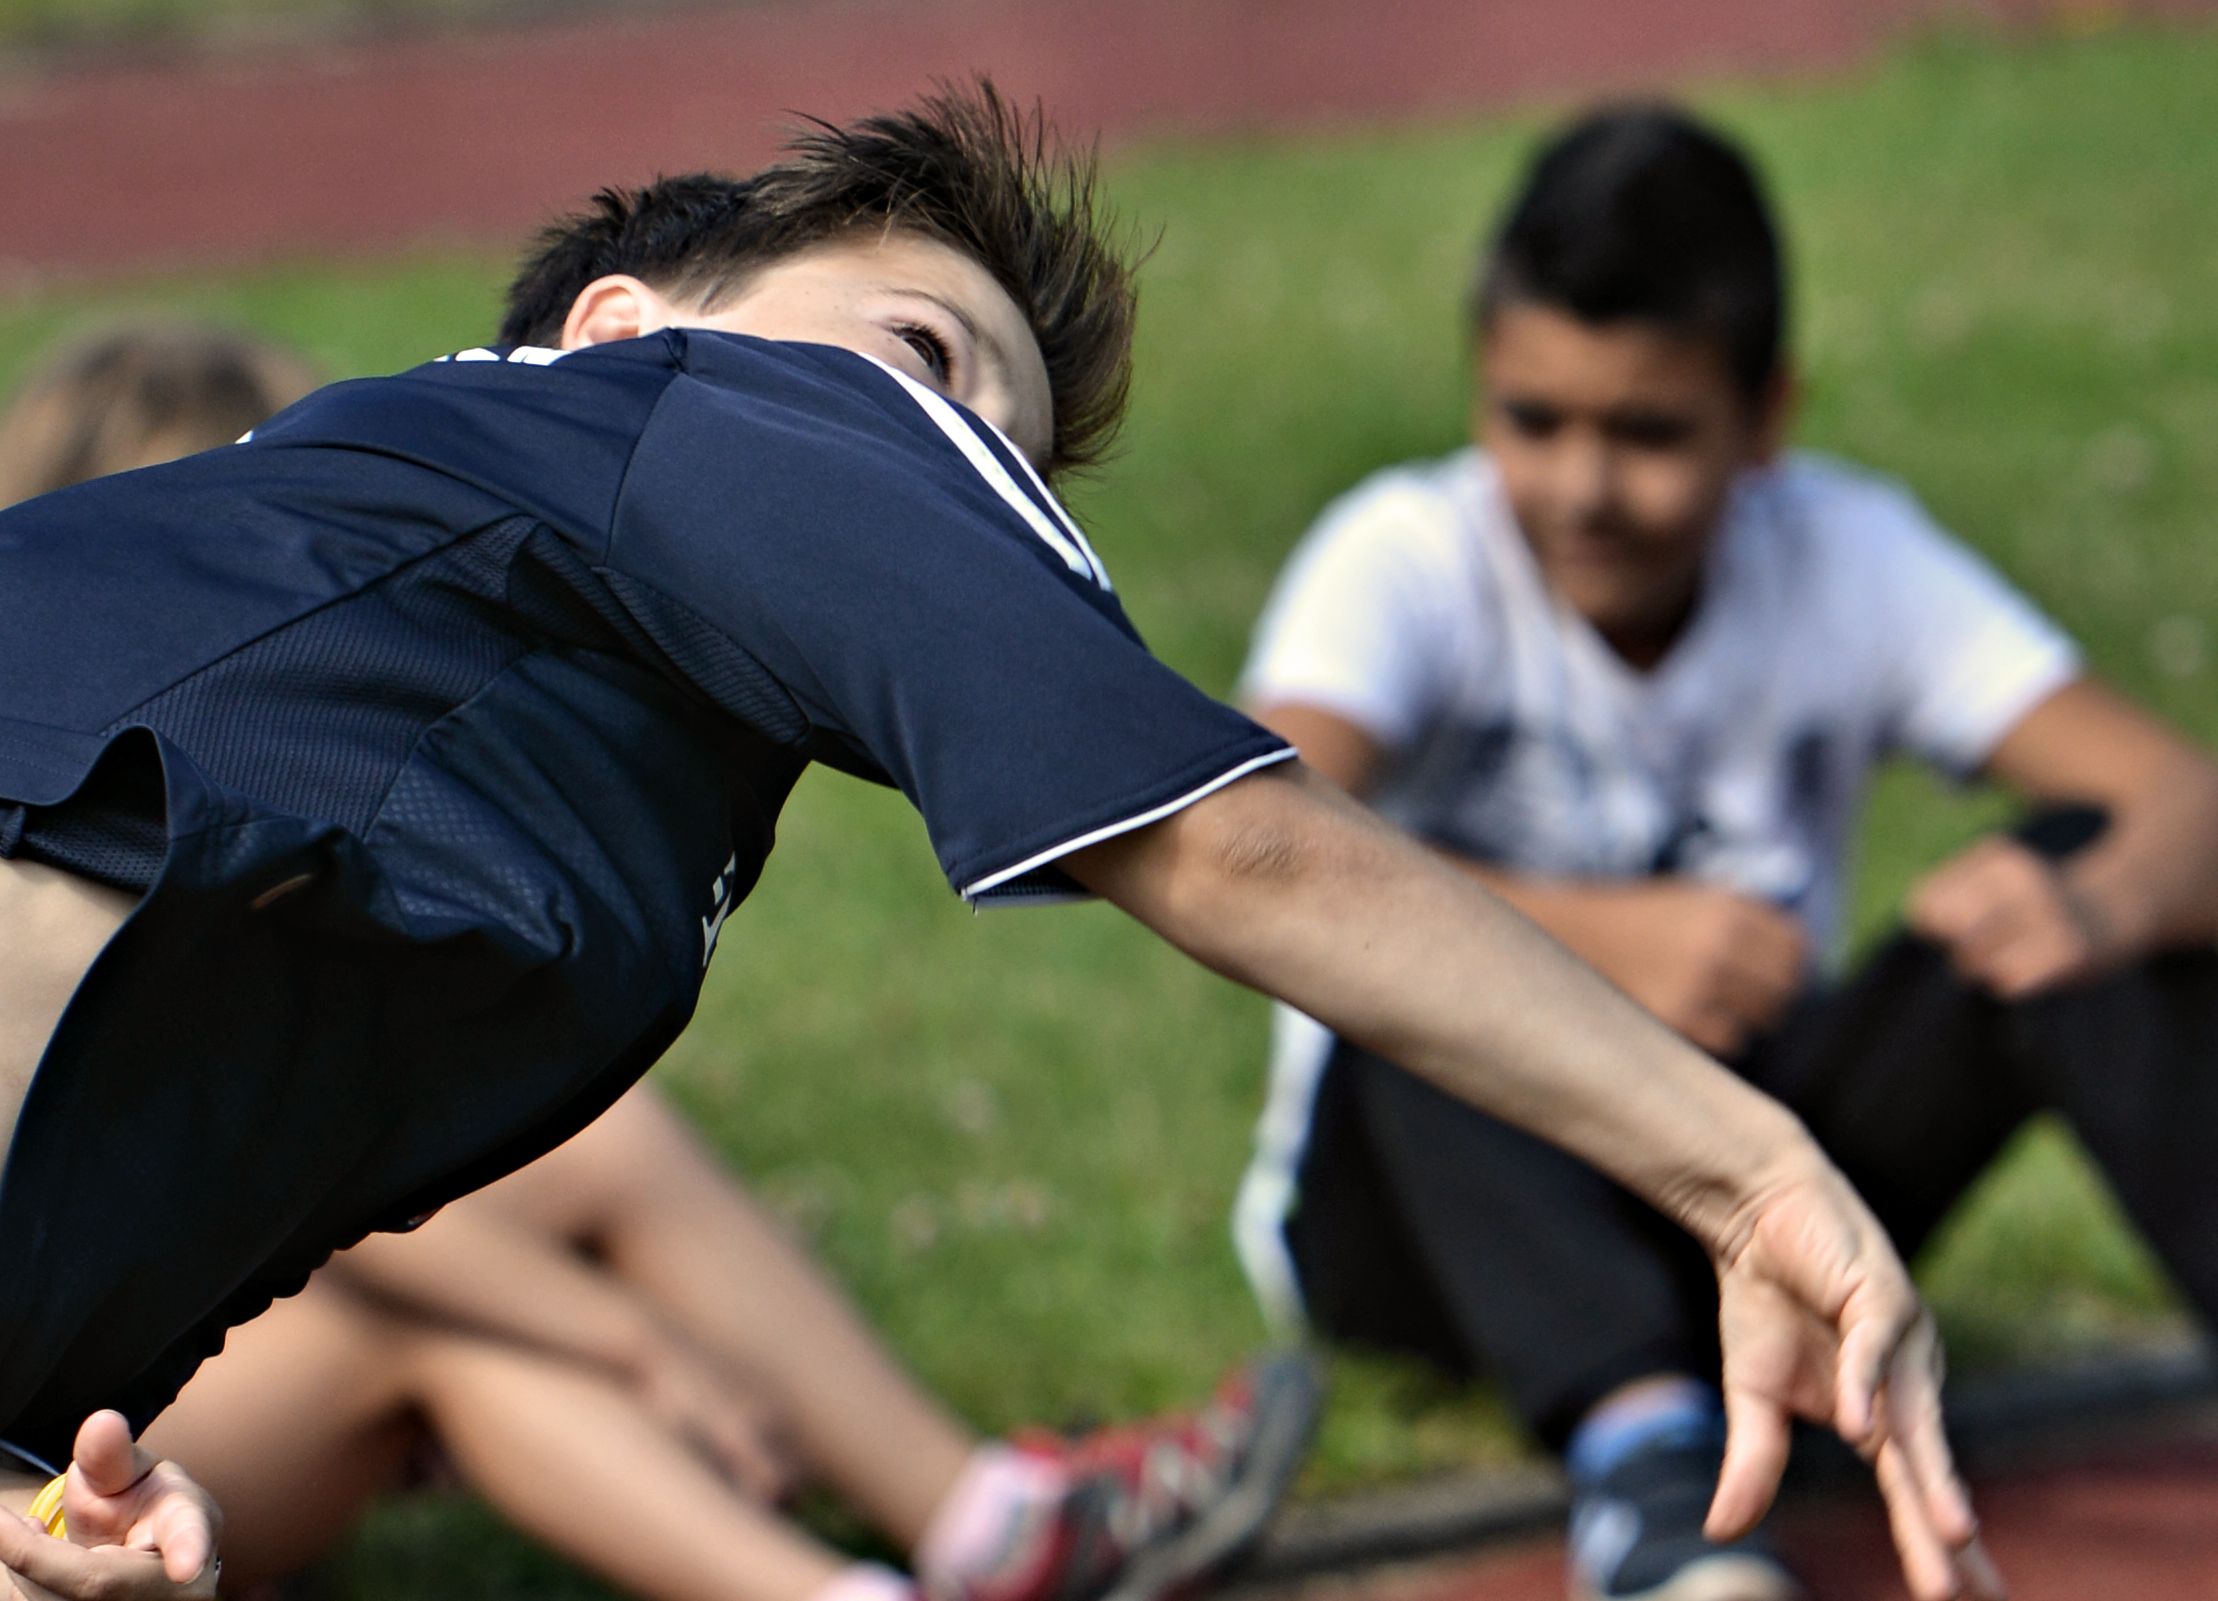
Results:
866 1581
998 1502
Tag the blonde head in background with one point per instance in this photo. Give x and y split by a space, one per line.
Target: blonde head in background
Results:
136 395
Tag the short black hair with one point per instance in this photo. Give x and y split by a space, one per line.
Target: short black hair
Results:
1640 213
963 166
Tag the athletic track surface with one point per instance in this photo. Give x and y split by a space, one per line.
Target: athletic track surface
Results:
373 145
2124 1523
473 137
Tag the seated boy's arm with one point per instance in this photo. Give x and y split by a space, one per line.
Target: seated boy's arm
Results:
1282 882
2020 923
1332 746
1718 967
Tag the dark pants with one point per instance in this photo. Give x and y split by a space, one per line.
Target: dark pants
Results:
1424 1225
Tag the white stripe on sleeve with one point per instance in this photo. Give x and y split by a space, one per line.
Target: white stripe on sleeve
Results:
965 439
1153 814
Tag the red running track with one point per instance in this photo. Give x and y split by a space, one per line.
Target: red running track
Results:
480 135
2123 1523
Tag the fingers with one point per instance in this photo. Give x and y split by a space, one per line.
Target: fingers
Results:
180 1525
1947 901
1936 1568
1927 1508
107 1460
1927 1564
757 1469
1774 953
740 1451
121 1502
47 1566
1715 1030
1982 1579
1867 1349
2006 919
1754 999
1759 971
1817 1315
1758 1436
1914 1422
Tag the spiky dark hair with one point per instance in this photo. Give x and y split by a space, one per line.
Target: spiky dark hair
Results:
1640 213
963 166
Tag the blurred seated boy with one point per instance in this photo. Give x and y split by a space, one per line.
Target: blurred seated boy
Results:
374 792
1630 665
629 1360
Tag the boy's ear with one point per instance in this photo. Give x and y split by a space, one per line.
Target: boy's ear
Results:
1775 412
616 307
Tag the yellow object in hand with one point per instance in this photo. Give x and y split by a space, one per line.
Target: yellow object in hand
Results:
46 1507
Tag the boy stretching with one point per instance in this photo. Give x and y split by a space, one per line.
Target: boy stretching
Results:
1629 667
621 1308
378 788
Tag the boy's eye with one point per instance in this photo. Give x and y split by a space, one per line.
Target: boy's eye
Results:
1652 430
930 348
1534 422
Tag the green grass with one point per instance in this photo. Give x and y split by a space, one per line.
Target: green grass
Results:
1016 1135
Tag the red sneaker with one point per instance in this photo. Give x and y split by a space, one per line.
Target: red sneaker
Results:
1154 1508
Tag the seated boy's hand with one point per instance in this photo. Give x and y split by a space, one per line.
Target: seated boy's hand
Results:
2009 920
732 1432
138 1528
1818 1319
1719 968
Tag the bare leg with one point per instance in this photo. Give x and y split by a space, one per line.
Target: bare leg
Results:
639 1188
52 925
295 1427
570 1459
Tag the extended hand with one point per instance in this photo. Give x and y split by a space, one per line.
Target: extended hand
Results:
1818 1319
138 1528
2009 921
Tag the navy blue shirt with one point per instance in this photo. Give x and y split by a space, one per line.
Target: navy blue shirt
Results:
442 722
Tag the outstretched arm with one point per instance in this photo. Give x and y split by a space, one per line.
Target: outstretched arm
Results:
1716 966
1283 883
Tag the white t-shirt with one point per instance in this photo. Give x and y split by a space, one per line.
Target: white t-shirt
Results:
1837 624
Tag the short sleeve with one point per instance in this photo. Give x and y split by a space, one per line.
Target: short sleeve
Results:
1356 624
896 576
1967 655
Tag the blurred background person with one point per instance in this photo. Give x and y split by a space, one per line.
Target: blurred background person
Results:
1632 663
136 394
626 1357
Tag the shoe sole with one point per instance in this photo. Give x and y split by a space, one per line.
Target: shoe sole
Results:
1289 1392
1725 1577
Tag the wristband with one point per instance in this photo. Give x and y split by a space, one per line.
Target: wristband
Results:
46 1507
